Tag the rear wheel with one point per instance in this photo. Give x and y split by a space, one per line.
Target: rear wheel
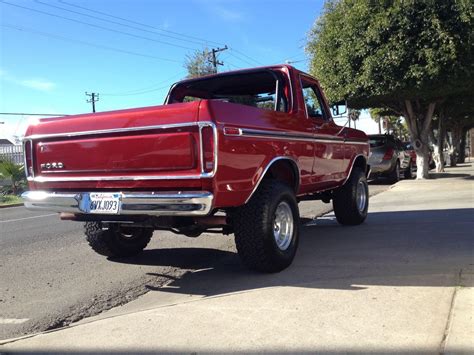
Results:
116 241
351 201
267 228
394 175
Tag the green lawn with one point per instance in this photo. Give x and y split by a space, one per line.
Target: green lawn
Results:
9 200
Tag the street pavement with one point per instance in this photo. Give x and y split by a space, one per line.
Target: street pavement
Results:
50 277
400 283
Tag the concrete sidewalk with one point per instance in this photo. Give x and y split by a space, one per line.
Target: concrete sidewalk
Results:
401 282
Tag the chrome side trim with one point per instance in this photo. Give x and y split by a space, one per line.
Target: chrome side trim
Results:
116 178
268 167
256 133
288 136
172 203
114 130
201 175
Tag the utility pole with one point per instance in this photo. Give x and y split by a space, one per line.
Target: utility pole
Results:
94 97
214 60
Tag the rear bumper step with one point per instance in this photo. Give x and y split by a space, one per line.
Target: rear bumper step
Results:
173 203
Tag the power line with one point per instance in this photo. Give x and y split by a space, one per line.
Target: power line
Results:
45 34
141 92
146 89
97 26
138 23
241 59
246 56
117 23
205 41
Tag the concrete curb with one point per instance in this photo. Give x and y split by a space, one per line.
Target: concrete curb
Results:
11 205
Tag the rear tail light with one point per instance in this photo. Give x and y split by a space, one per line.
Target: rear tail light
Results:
28 154
208 156
388 154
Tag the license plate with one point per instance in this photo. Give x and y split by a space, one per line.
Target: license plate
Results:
104 203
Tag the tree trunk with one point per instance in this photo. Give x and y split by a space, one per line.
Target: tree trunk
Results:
462 147
419 119
380 125
456 133
438 154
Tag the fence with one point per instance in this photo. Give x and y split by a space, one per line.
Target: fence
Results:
13 153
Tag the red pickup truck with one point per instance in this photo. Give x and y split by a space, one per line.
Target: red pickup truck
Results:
233 152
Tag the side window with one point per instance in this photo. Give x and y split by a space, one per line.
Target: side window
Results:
312 100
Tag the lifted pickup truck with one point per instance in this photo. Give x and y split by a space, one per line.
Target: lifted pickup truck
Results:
233 152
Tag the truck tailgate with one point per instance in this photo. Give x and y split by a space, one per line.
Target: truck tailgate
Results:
150 143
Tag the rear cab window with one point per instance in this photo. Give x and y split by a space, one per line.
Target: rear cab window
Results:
377 141
261 89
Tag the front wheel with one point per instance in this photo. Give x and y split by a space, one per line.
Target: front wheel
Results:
116 241
351 201
267 228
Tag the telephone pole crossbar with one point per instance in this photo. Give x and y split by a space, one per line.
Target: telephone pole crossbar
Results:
94 97
214 60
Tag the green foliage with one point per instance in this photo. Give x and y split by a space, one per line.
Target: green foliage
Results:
374 53
15 173
9 199
198 64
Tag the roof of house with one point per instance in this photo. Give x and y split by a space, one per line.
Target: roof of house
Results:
5 141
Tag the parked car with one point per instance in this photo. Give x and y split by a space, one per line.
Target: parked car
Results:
389 159
232 152
408 147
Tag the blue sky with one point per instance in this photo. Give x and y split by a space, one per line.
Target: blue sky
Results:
52 51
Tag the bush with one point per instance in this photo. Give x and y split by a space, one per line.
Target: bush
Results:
16 174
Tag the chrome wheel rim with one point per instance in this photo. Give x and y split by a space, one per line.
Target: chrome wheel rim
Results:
283 225
361 198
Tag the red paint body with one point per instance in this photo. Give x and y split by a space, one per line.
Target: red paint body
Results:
159 148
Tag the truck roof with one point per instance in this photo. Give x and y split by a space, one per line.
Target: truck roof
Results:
243 71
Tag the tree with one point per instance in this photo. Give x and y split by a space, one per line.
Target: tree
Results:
13 172
198 64
407 56
354 116
392 122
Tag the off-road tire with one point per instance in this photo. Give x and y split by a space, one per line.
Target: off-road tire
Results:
254 228
345 201
112 242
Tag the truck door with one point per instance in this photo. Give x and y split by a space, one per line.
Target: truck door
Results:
328 165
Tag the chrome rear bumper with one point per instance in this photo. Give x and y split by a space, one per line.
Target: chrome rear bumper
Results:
173 203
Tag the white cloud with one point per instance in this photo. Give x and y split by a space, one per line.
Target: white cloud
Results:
33 83
38 84
227 14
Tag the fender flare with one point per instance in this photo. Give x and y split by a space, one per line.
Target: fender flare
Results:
296 170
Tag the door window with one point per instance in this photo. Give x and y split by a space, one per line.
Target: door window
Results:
312 99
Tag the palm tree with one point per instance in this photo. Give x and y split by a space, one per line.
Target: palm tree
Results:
13 172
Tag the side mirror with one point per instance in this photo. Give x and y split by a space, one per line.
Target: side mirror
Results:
339 108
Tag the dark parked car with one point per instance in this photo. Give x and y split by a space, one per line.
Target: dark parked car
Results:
388 158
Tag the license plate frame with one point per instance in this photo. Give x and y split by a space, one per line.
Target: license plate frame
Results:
104 203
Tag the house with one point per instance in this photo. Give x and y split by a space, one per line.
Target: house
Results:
10 151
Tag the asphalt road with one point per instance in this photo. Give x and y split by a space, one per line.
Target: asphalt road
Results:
50 277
